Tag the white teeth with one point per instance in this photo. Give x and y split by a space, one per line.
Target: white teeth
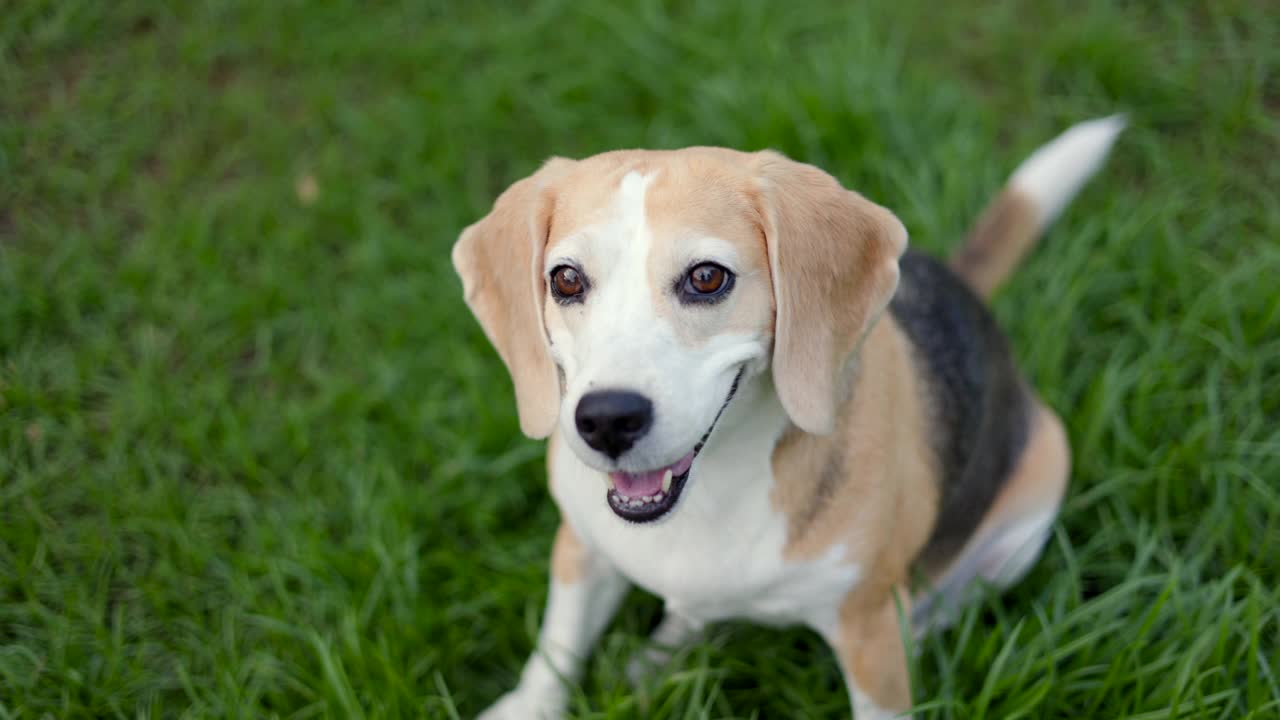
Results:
666 481
658 497
609 479
647 498
636 503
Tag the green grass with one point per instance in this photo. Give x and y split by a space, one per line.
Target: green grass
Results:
256 459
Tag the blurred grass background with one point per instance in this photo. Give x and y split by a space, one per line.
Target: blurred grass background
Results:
256 459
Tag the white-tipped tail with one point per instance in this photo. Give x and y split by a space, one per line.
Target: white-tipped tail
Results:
1055 172
1036 194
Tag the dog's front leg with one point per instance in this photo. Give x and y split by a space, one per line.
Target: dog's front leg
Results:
673 633
868 641
585 592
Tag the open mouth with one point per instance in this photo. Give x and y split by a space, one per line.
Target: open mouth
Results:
646 496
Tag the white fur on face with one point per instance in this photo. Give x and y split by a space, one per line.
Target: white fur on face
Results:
627 333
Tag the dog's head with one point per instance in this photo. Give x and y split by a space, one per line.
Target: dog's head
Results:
629 295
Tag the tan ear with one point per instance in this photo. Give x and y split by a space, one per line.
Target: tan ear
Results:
834 256
499 260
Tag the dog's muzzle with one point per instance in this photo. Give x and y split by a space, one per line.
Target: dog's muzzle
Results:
646 496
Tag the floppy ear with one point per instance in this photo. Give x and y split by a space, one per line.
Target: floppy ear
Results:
499 260
834 256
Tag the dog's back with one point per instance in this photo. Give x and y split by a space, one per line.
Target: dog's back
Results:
990 433
978 407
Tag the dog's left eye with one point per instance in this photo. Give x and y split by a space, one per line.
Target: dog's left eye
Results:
567 284
707 281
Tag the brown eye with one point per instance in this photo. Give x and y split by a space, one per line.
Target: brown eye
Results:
707 279
566 282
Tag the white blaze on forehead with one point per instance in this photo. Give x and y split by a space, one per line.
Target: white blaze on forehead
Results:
623 322
618 235
634 242
611 338
630 198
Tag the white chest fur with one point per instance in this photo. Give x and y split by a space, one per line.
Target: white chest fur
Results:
720 553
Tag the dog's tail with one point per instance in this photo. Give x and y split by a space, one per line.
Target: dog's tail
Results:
1038 191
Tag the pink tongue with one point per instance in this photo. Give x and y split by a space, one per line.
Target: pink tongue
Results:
634 485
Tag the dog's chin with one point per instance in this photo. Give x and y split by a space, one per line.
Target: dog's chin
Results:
642 497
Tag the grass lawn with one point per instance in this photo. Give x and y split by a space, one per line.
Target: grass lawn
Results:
257 460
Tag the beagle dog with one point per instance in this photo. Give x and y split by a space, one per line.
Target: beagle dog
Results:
760 405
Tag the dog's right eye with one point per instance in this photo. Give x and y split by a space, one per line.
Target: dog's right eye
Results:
567 283
705 283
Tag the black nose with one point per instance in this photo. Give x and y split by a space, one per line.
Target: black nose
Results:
612 420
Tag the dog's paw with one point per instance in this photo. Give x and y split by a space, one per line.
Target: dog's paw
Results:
521 704
645 666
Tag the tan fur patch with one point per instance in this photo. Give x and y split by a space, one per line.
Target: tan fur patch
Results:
871 649
702 195
1002 236
568 556
1042 471
1040 478
875 467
